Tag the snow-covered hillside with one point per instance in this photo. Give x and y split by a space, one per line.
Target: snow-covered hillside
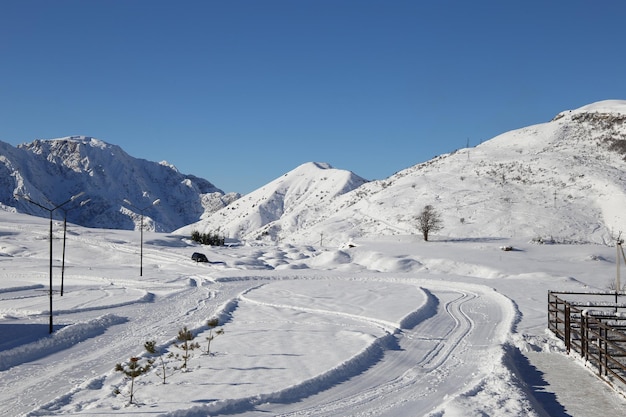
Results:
282 207
563 180
51 171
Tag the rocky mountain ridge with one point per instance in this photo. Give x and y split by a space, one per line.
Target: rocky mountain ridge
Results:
50 171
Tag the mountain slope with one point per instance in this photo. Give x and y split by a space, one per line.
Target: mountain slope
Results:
562 181
282 207
50 171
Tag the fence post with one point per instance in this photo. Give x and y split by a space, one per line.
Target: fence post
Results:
602 347
583 335
567 327
550 325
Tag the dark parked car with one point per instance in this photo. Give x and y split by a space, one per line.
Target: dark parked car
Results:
199 257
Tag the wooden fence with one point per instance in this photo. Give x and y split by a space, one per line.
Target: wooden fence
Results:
594 326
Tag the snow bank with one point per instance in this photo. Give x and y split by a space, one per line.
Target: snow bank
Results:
61 339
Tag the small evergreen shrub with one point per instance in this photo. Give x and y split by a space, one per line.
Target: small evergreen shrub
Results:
186 344
152 349
132 369
212 323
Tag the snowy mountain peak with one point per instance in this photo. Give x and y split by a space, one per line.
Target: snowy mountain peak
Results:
321 165
605 107
52 170
283 206
78 153
76 140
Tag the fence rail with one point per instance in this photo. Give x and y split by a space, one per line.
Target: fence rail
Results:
594 326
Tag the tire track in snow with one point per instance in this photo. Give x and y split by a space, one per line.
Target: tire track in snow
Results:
384 324
426 358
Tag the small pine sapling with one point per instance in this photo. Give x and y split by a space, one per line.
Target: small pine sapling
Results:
151 348
132 369
212 323
186 344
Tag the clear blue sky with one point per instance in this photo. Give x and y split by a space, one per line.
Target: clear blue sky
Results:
241 92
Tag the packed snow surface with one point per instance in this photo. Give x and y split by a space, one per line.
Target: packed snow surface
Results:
388 327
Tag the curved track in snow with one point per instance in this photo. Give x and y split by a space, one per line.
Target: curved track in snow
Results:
443 350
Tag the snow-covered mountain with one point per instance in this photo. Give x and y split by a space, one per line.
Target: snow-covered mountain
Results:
282 207
51 171
563 180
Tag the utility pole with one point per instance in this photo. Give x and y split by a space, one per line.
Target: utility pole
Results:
141 210
50 210
82 203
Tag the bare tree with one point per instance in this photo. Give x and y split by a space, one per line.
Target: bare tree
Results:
428 221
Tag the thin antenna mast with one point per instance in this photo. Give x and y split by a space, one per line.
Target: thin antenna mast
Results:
618 246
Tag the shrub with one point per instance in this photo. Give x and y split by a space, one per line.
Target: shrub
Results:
186 344
151 348
211 239
212 323
132 369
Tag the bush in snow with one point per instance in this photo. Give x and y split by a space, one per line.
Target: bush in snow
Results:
212 239
152 349
612 285
186 344
132 369
212 323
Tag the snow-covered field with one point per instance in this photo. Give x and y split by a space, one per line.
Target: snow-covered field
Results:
388 327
